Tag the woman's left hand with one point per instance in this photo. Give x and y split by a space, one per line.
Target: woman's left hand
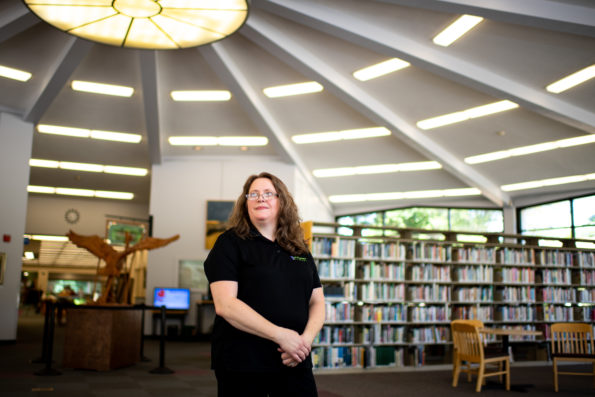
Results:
286 359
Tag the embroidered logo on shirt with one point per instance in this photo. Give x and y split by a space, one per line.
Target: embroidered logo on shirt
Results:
299 258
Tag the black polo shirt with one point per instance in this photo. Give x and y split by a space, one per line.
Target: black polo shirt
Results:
271 281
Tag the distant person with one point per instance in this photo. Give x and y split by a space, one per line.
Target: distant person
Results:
65 299
267 294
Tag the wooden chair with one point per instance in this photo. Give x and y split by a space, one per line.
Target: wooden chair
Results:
470 349
469 369
572 342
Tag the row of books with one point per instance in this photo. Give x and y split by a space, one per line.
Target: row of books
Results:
515 313
482 274
587 277
555 313
429 334
387 271
429 272
516 255
386 334
335 335
516 294
421 314
338 311
475 254
473 294
515 275
374 291
432 293
357 357
586 259
556 294
332 246
336 268
382 250
586 295
555 257
435 252
384 313
557 276
483 313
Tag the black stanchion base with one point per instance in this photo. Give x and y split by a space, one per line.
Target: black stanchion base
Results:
47 372
161 370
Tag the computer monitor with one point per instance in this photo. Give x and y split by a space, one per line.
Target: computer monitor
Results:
172 298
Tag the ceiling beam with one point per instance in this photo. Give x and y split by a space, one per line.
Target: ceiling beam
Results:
148 69
281 44
542 14
348 25
230 71
66 63
14 20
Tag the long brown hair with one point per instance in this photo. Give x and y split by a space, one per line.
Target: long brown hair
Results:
288 233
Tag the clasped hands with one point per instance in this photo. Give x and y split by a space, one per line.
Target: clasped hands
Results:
294 348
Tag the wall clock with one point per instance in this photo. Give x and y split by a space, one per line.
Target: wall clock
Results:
72 216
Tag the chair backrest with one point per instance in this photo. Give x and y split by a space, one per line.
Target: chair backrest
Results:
467 340
475 323
572 338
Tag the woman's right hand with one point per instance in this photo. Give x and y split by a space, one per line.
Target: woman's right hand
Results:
292 344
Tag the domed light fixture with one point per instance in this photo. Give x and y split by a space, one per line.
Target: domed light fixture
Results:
147 24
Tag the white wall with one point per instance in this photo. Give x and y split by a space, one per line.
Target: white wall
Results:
16 138
179 192
45 214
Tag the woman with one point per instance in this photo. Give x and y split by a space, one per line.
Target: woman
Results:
267 294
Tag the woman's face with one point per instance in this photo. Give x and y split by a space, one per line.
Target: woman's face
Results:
262 211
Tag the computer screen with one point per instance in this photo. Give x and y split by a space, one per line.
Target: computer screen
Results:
172 298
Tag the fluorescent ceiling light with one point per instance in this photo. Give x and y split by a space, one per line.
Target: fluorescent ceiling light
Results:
14 74
200 96
467 114
29 255
537 148
376 169
221 141
352 198
456 29
547 182
572 80
147 24
331 136
380 69
293 89
43 237
85 133
108 169
80 192
104 89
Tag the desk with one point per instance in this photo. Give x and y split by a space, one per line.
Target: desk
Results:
505 334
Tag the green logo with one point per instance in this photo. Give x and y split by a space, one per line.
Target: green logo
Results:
299 258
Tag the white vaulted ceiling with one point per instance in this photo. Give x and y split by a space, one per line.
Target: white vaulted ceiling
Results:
520 48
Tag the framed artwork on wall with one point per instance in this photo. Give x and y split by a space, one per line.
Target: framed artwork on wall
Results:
191 275
116 230
218 213
2 266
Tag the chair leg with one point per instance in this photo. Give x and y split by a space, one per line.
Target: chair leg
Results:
555 365
500 370
593 374
507 366
468 371
480 377
456 372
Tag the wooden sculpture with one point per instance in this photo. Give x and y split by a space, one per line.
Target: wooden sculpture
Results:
115 260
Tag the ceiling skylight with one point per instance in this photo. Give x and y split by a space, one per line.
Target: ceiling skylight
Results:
376 169
218 141
456 29
572 80
201 96
108 169
85 133
467 114
419 194
100 88
524 150
279 91
80 192
14 74
380 69
331 136
547 182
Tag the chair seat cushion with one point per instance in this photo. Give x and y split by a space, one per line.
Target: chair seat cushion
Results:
573 355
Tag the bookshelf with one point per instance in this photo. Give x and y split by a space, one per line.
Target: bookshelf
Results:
390 296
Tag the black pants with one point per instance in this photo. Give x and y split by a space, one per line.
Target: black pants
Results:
289 382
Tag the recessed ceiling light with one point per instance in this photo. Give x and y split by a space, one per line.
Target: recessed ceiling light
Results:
80 192
14 74
66 165
201 96
457 29
376 169
108 169
293 89
44 237
359 133
537 148
100 88
572 80
85 133
352 198
218 141
380 69
547 182
464 115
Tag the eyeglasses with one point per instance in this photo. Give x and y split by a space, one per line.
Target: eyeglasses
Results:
266 196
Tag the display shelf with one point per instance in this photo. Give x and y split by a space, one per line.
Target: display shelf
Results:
391 298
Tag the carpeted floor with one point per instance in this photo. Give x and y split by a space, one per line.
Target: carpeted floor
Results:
192 377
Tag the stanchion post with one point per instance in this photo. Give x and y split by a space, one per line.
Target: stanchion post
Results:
48 370
162 369
142 334
44 341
